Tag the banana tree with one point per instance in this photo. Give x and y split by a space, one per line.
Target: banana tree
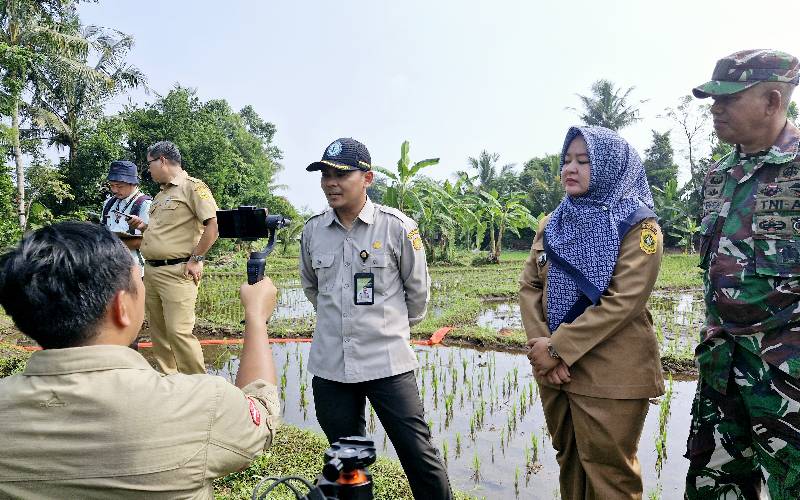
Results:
401 194
441 216
501 214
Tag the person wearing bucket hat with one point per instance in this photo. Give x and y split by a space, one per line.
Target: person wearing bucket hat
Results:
363 267
746 412
126 201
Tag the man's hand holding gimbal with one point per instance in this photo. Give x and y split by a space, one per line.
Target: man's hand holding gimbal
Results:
256 361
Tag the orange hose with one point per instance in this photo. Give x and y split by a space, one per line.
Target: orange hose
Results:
436 338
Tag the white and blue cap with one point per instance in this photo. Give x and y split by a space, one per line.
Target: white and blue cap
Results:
123 171
344 154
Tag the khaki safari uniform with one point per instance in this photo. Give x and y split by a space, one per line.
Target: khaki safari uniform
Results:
176 225
611 349
356 343
99 422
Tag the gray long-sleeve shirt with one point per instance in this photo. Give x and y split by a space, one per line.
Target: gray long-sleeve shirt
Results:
356 343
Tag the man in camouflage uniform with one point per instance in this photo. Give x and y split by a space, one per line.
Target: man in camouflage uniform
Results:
746 415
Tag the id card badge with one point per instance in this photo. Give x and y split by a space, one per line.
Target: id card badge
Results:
364 289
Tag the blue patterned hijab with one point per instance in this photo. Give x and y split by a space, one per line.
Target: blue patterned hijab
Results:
583 235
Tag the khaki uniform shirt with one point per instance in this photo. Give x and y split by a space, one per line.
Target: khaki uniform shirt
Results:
99 422
611 348
356 343
176 218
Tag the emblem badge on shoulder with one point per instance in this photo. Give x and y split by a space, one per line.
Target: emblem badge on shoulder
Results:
647 239
542 260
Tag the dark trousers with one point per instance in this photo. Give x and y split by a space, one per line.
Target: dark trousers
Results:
340 411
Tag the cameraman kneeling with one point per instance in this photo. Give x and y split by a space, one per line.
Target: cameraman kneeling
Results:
89 417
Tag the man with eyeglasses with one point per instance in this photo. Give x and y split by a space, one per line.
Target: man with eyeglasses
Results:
125 203
182 229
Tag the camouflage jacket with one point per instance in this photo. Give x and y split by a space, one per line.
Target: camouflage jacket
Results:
750 252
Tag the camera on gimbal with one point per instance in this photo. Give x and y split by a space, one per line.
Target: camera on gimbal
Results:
345 475
250 223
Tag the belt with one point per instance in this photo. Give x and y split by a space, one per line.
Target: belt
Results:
167 262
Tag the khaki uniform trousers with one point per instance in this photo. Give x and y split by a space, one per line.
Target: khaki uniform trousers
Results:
596 440
170 299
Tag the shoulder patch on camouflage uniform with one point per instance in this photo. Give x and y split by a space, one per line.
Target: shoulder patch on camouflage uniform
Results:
647 238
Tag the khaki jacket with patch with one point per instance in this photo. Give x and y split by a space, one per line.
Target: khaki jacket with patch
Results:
611 348
99 422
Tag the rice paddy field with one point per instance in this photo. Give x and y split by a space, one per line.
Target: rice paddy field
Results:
480 303
486 420
481 401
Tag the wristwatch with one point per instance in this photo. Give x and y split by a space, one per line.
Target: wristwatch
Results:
197 258
552 351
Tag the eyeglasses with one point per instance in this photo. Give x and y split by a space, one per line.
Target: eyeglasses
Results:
151 161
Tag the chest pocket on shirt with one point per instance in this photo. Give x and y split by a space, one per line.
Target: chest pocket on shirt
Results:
164 206
323 268
380 264
777 257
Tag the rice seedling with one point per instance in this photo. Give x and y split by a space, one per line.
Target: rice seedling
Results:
371 423
663 418
476 468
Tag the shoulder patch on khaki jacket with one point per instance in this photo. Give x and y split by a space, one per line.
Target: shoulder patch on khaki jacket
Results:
648 238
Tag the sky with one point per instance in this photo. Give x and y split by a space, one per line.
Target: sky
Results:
453 77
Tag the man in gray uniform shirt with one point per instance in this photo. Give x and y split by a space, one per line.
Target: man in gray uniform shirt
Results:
363 268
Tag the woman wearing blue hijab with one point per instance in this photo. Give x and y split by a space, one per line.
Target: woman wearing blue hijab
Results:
583 297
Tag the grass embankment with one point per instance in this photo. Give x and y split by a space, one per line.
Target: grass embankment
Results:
297 452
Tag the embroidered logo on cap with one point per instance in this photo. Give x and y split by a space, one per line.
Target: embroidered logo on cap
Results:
335 148
255 414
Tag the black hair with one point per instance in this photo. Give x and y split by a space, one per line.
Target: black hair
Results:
57 283
166 149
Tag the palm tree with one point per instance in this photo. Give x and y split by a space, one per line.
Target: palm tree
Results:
64 98
34 33
608 107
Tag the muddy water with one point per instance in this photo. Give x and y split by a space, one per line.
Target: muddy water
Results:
512 419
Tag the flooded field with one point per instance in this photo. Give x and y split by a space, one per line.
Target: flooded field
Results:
482 406
487 421
677 315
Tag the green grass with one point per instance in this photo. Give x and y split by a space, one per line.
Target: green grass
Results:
680 271
12 360
459 291
298 452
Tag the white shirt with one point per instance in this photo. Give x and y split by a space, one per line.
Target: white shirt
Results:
119 224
